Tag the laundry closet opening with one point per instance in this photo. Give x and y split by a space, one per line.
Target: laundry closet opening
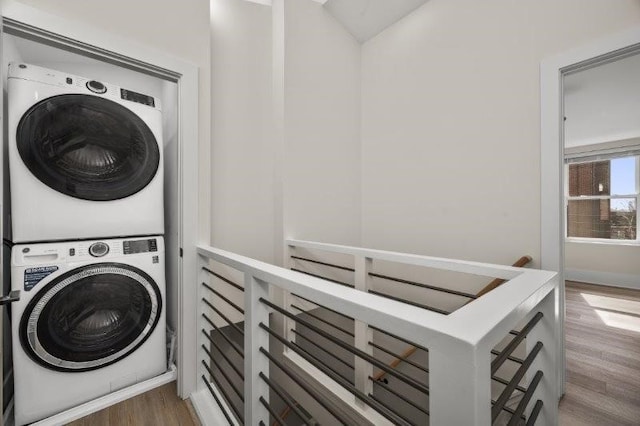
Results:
137 155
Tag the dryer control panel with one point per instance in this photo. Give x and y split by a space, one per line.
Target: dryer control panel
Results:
79 84
139 246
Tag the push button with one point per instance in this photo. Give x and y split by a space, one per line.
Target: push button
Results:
72 252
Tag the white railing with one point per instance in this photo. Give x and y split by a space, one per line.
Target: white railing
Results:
459 344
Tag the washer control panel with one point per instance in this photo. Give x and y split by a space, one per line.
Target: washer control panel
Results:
76 252
139 246
98 249
129 95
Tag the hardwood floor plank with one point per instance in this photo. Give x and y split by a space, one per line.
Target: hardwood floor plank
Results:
618 412
586 381
602 333
577 413
158 407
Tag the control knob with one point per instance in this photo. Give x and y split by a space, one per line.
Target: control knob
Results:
98 249
96 87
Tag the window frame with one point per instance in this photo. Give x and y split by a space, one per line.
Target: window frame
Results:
567 198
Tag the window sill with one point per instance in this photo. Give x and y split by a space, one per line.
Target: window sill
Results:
603 242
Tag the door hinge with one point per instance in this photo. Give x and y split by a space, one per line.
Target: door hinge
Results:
181 252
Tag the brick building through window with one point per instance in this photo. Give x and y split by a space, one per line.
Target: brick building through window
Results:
594 208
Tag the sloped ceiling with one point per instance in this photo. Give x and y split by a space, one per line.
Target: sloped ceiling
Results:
366 18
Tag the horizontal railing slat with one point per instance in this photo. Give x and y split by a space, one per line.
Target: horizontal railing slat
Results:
293 376
334 376
475 268
408 380
408 322
286 398
508 390
515 419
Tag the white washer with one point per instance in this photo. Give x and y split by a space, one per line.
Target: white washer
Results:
85 158
90 321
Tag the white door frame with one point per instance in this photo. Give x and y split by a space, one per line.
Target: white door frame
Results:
120 49
552 142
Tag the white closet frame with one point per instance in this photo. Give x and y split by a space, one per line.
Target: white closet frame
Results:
120 51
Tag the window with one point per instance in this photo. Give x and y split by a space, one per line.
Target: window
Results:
602 198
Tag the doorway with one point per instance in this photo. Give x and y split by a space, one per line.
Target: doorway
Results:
601 104
555 74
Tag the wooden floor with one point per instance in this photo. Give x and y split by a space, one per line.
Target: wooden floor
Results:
158 407
603 356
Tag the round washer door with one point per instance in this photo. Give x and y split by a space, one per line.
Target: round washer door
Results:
87 147
90 317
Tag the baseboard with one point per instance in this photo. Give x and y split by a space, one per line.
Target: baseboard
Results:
207 409
113 398
611 279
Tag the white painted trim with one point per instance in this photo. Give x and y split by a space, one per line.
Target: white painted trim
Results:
106 401
587 142
609 146
208 410
491 315
188 161
264 2
601 241
255 339
551 151
609 279
458 343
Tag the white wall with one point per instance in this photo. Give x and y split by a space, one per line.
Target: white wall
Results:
450 109
322 154
607 264
242 154
177 28
272 177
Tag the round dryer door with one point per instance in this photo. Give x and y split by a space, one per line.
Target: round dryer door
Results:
90 317
87 147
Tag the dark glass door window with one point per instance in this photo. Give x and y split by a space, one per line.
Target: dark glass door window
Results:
87 147
90 317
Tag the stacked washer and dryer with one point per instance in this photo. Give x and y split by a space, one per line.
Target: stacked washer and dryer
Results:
86 179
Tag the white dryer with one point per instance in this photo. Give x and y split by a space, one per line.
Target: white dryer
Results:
90 321
85 158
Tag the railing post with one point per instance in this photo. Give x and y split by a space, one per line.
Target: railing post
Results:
362 333
546 361
289 324
459 385
255 362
